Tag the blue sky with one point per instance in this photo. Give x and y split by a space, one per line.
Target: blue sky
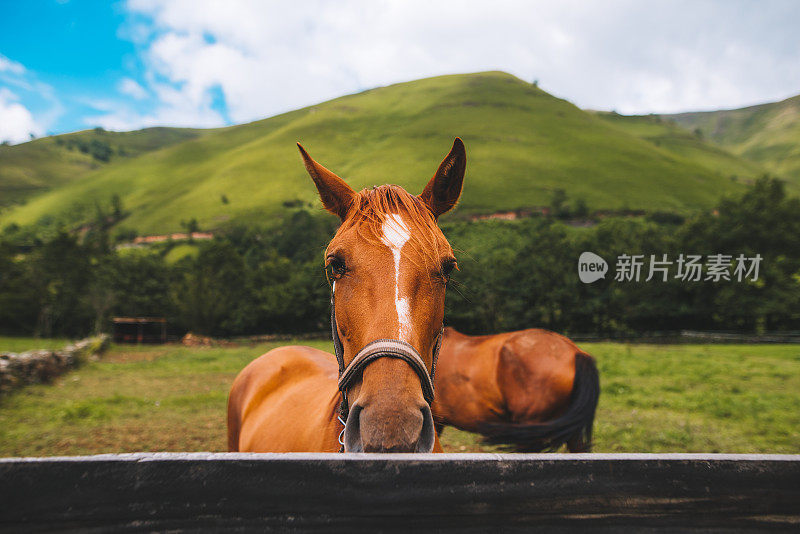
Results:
73 48
73 64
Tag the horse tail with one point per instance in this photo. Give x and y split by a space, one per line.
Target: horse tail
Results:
573 427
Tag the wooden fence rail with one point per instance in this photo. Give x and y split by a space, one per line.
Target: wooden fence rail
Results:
408 493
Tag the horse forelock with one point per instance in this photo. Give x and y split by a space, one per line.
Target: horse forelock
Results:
372 208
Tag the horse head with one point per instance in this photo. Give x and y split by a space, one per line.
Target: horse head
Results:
389 264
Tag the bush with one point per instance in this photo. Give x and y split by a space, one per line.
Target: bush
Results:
512 275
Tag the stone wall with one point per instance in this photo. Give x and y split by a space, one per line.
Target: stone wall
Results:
41 366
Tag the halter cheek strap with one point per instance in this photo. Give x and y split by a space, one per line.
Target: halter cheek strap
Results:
374 350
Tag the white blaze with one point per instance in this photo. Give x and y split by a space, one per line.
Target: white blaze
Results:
395 235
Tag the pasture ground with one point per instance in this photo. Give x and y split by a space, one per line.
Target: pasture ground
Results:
656 398
21 344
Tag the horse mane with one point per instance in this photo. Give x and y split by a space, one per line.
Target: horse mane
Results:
372 207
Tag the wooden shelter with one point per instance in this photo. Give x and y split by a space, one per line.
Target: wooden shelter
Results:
140 330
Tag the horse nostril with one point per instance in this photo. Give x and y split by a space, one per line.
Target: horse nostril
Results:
427 436
352 431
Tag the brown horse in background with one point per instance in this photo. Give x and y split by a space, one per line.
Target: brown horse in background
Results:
533 389
389 264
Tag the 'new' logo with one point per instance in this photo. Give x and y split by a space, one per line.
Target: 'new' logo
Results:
591 267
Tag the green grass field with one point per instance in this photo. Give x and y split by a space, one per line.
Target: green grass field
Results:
21 344
522 144
671 398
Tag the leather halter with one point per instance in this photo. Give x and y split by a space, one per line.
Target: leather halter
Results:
374 350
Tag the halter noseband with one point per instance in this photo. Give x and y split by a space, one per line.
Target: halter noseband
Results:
374 350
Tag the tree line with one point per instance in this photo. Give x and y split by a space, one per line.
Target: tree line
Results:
512 275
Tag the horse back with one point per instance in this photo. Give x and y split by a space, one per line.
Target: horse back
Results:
535 372
285 400
467 391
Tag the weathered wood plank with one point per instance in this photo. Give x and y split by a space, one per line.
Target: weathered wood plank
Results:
467 493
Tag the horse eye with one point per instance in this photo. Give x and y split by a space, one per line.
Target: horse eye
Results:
337 267
447 267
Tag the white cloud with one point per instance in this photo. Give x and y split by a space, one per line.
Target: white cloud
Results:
16 122
628 55
174 109
7 65
27 105
130 87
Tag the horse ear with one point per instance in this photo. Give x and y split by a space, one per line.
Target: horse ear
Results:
336 195
442 192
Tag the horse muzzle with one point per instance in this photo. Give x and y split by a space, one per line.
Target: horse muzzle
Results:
390 424
375 428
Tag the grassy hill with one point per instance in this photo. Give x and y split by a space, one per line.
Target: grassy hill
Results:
686 145
48 163
522 144
768 134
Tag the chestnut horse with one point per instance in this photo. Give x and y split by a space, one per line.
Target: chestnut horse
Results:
389 264
532 389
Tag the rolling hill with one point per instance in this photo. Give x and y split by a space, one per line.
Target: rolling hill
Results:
522 145
685 144
47 163
768 134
